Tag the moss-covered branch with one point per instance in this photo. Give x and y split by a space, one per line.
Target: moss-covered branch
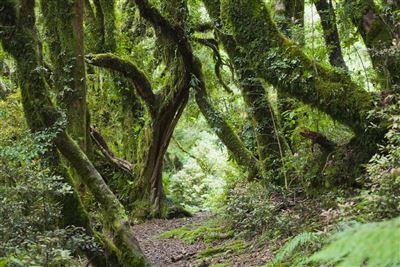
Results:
222 129
278 61
130 71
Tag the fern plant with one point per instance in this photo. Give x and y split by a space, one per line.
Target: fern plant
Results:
371 244
300 242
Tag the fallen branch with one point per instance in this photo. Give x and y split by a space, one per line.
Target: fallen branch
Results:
122 164
317 138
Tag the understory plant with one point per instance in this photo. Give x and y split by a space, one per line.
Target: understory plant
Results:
30 214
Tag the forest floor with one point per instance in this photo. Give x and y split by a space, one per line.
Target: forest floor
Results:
164 252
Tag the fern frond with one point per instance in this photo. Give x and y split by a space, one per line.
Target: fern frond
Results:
291 246
372 244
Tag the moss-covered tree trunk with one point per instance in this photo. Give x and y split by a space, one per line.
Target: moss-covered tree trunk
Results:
277 60
269 145
18 38
64 24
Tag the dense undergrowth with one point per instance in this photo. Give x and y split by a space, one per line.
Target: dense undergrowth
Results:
190 117
341 227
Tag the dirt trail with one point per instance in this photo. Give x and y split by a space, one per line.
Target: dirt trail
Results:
176 253
168 252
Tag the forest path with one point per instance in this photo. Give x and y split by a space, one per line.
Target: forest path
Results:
168 252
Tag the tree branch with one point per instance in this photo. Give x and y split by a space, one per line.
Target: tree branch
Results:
219 63
130 71
275 59
122 164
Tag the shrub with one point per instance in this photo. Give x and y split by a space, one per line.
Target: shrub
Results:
29 212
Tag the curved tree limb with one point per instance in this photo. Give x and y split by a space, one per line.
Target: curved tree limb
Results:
122 164
130 71
219 63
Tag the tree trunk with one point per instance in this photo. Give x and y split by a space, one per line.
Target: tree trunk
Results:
19 40
331 35
379 38
64 24
275 59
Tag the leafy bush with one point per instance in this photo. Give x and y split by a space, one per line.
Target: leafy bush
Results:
248 208
380 197
29 211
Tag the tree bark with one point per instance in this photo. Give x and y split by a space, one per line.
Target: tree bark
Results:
331 35
278 61
380 39
18 39
64 25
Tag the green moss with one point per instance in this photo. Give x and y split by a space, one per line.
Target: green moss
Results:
208 232
277 60
228 248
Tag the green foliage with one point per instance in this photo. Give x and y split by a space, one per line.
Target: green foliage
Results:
29 194
208 232
372 244
298 245
248 208
198 167
382 198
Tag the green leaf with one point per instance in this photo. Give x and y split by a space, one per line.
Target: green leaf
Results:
3 262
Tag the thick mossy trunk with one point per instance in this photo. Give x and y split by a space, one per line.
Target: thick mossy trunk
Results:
269 146
277 60
64 24
19 40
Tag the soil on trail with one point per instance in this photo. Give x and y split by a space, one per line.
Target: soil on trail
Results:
174 252
168 252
